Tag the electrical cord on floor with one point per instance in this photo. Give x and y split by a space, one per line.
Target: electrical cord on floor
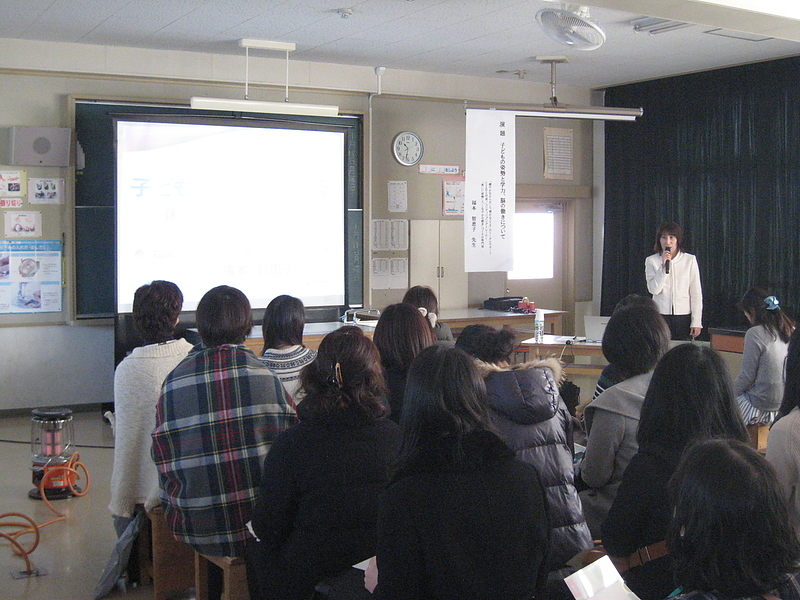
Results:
73 467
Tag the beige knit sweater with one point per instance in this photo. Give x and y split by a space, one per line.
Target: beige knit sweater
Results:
137 385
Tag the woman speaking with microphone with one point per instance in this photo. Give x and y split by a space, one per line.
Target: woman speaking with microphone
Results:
673 279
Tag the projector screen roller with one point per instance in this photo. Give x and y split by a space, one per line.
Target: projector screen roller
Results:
258 208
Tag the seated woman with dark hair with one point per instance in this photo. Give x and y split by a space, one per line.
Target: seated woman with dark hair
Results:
462 518
316 511
759 386
730 535
137 385
530 417
424 299
401 333
635 339
690 398
611 374
284 353
783 447
217 415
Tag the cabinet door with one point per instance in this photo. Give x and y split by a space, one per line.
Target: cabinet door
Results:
453 281
423 254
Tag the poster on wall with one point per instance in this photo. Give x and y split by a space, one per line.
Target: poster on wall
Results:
45 191
452 195
489 190
12 183
558 153
27 224
30 276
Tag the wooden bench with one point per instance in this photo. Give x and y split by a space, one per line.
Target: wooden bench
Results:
583 369
234 576
758 436
172 567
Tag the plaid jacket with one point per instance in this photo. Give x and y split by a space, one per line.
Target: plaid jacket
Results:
788 590
219 410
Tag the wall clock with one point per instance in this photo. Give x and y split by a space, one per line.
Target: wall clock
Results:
407 148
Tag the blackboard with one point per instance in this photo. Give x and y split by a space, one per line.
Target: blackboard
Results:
95 191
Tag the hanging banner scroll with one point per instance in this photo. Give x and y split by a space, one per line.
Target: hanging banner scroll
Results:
489 191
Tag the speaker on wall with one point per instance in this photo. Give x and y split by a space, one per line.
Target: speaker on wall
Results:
39 146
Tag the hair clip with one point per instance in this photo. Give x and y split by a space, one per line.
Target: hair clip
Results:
771 302
338 370
331 379
428 315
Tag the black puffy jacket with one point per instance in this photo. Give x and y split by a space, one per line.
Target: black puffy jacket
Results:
534 422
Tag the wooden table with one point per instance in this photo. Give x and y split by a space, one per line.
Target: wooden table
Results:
312 334
458 318
727 339
566 348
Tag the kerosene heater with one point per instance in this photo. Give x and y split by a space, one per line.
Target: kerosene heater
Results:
52 441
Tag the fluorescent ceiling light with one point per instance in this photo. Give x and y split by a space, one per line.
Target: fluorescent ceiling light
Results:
779 8
557 110
254 106
579 112
278 108
267 45
597 113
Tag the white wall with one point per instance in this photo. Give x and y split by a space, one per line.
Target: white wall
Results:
47 359
55 365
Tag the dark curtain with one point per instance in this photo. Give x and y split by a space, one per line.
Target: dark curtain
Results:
719 153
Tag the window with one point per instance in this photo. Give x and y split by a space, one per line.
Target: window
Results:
534 242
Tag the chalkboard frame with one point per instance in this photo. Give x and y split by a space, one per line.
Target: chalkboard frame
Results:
95 194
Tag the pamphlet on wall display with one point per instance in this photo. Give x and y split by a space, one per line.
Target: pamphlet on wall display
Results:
12 183
389 274
489 190
398 196
452 195
45 191
389 234
557 153
30 276
26 224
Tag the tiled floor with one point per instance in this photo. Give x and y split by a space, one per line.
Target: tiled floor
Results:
73 552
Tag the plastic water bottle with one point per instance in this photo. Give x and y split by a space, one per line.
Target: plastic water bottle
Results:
538 326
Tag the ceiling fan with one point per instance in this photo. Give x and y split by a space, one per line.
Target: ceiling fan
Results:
570 24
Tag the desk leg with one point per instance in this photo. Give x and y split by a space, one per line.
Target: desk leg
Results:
554 324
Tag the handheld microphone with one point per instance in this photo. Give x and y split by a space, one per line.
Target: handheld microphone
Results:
666 264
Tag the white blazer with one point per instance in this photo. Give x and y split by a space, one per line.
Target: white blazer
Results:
679 292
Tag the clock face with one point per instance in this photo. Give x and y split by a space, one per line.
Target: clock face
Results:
407 147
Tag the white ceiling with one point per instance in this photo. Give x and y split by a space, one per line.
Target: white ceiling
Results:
468 37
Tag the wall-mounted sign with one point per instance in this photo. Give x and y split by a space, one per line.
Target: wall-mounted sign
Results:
439 169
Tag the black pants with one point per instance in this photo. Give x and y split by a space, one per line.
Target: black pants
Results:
679 326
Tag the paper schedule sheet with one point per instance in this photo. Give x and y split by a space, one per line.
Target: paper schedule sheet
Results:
389 234
389 274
